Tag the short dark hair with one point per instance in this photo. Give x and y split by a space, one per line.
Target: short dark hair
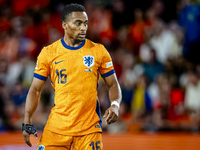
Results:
71 8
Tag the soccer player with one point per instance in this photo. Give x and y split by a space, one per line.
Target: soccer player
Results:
73 65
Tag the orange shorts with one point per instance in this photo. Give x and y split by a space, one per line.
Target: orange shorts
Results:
54 141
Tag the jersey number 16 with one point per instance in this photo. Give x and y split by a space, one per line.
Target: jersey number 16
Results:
62 78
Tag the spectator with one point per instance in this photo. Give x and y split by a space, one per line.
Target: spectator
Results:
162 41
137 30
128 79
192 99
161 106
189 18
141 105
153 67
119 14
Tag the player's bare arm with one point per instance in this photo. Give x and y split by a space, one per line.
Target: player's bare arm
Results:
31 105
111 114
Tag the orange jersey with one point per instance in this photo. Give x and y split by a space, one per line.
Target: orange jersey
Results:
74 75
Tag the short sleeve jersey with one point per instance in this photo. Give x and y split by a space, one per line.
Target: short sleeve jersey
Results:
74 73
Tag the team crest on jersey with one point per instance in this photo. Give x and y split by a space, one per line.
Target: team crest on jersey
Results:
41 147
88 61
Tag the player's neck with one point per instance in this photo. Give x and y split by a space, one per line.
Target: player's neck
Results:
71 42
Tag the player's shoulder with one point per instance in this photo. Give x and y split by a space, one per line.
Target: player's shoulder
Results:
91 44
52 47
51 50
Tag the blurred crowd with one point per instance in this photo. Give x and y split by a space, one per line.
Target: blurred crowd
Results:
156 61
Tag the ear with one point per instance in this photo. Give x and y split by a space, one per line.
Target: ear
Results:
64 25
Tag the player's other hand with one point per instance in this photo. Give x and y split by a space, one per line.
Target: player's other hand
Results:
27 138
111 114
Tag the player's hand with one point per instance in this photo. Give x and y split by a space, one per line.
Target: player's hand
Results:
27 138
111 114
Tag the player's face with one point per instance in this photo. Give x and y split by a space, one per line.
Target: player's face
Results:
76 25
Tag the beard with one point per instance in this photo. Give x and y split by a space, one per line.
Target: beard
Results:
76 41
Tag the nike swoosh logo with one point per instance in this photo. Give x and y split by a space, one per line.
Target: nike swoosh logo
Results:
59 62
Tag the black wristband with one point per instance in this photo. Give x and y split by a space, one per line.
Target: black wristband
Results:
30 129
